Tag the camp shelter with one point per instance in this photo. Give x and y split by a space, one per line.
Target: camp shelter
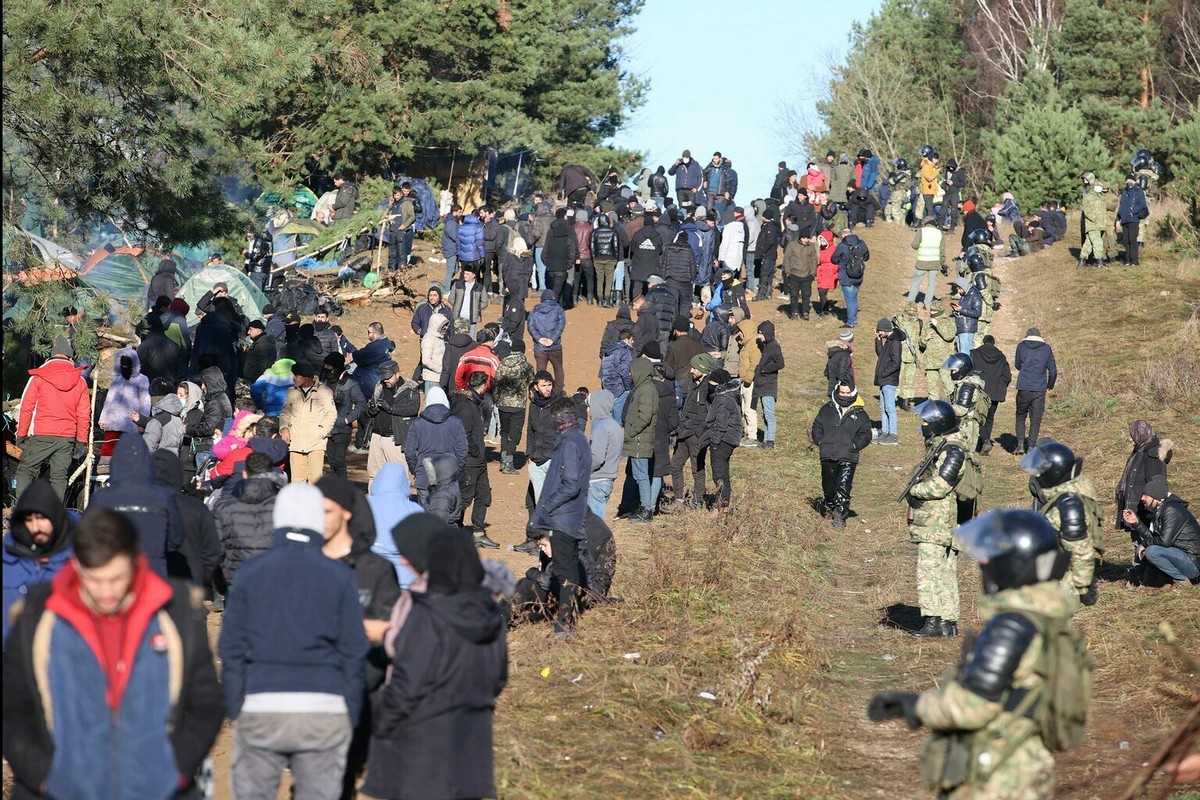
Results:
240 288
125 272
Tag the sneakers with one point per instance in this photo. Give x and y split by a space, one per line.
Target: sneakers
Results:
887 438
508 469
767 445
362 451
482 540
641 515
530 547
748 442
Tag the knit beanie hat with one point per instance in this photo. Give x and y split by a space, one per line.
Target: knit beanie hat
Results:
719 376
682 323
703 363
62 347
846 337
884 325
1156 487
652 351
339 490
1033 332
299 506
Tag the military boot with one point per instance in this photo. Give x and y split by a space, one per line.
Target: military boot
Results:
949 627
1082 262
933 627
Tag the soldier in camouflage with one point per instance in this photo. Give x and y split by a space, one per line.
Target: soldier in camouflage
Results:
896 209
1068 500
1095 217
911 323
933 512
1146 170
968 397
973 713
938 345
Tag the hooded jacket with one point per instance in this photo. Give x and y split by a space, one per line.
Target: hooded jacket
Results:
470 239
457 345
547 321
349 403
164 282
151 507
614 328
608 437
368 359
993 365
561 249
645 253
56 402
161 356
888 353
723 424
641 412
766 372
841 257
615 374
539 440
309 415
126 397
466 406
217 408
435 432
259 357
427 311
665 424
432 725
841 433
517 271
269 392
216 336
25 561
390 505
199 554
827 271
694 411
1036 370
839 364
1148 459
164 429
293 623
563 500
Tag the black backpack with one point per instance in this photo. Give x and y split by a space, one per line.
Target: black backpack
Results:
855 266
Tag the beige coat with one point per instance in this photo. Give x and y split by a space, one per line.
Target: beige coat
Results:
309 417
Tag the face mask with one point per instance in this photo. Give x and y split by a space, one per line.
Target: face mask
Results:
845 401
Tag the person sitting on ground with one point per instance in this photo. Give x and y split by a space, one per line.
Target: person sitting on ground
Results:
1149 458
1170 546
536 598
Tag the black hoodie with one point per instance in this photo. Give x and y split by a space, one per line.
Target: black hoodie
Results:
993 365
27 563
766 372
199 554
457 344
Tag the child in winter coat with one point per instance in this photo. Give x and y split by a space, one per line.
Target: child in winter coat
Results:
128 399
827 273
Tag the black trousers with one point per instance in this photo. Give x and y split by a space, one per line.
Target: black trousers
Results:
837 481
1129 236
766 279
985 430
688 450
475 488
719 456
585 284
512 421
799 293
684 289
335 452
1032 405
557 283
564 566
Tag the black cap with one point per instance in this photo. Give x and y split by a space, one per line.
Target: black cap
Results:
304 370
783 165
652 351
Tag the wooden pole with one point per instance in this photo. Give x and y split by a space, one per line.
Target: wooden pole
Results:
90 456
379 248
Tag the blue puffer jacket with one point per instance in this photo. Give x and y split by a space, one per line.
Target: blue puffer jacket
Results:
615 367
25 562
470 239
563 501
450 227
292 623
870 173
547 321
970 309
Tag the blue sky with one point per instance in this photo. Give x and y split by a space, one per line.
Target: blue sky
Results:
773 51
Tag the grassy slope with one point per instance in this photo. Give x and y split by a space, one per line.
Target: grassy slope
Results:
786 623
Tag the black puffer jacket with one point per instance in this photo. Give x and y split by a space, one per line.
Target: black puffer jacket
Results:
217 407
887 368
766 371
542 430
196 558
767 246
245 519
615 327
838 366
723 425
679 262
695 409
841 433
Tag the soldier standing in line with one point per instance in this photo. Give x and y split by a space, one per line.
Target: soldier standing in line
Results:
933 513
1068 500
910 322
993 725
938 346
1095 215
969 397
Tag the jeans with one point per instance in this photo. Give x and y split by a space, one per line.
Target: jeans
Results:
619 406
312 745
1172 561
930 277
768 415
398 250
451 268
850 295
1032 405
751 278
259 279
641 474
965 342
618 281
887 408
537 476
429 385
598 493
540 272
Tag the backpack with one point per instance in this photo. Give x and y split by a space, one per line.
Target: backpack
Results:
854 266
1065 667
970 485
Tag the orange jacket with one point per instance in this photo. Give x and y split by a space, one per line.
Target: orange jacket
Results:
929 176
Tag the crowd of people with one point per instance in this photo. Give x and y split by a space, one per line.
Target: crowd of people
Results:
362 631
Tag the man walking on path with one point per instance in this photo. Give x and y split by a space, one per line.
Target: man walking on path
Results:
1036 375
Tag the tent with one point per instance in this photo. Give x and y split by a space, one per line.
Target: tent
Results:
241 288
125 272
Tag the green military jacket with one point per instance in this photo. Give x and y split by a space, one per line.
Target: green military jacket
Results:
932 499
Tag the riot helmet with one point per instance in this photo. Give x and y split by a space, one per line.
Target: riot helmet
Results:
937 418
960 365
978 236
925 150
1142 159
1052 463
981 281
975 261
901 164
1014 547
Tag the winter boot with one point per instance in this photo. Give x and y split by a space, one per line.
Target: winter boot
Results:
949 627
529 547
641 515
506 464
933 627
482 540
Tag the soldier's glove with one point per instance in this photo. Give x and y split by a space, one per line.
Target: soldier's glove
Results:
1088 598
995 306
80 450
894 705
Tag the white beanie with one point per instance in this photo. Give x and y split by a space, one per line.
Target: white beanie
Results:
300 506
436 396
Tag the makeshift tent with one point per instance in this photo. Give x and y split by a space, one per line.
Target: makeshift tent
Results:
240 288
125 272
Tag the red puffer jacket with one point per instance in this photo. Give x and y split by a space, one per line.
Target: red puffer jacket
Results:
55 402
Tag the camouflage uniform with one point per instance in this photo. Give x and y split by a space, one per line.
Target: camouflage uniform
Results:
838 222
1027 774
914 342
970 406
895 211
938 346
1094 215
934 516
1148 180
1072 509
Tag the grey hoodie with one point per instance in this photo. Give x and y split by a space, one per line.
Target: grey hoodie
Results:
608 437
166 435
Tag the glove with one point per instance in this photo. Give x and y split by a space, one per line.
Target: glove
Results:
80 450
1088 597
894 705
995 306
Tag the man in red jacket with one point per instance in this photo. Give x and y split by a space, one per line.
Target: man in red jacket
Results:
54 420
